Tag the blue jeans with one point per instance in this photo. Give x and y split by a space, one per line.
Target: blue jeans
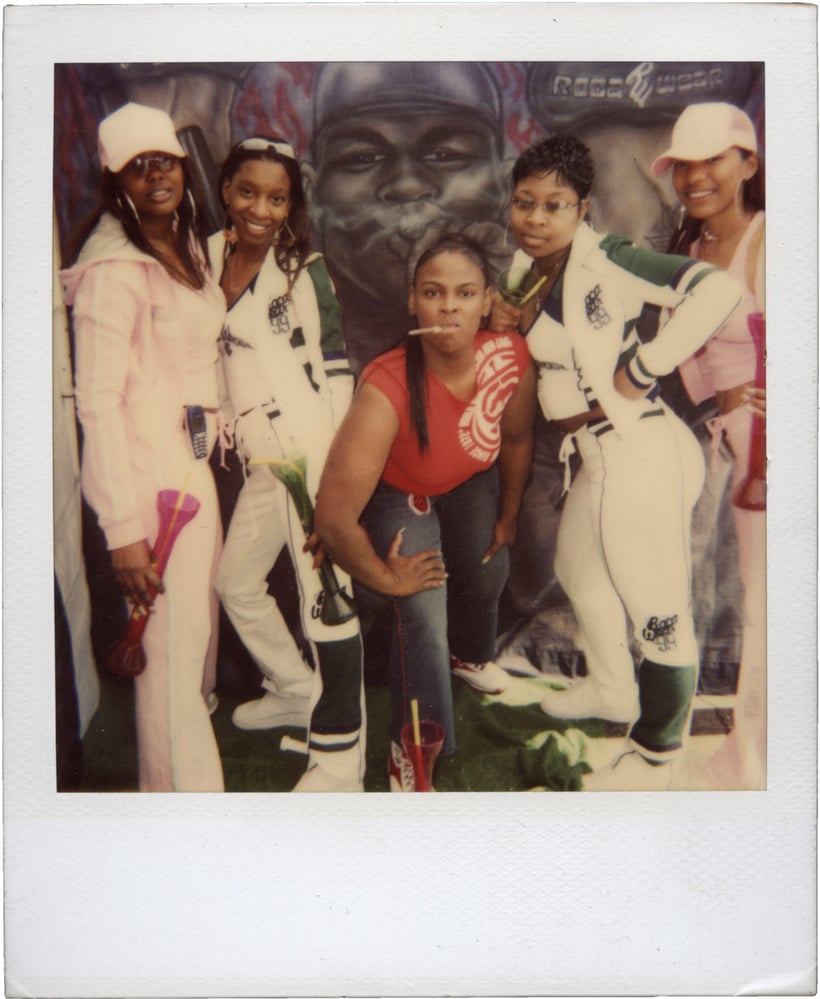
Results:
460 617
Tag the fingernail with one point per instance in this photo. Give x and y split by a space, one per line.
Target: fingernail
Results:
486 559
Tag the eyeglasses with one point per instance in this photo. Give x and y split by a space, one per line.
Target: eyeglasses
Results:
259 145
550 207
141 166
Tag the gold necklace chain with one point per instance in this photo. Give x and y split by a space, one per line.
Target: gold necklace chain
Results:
235 287
546 288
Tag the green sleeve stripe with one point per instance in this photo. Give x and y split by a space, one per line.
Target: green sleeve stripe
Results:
647 374
330 312
657 268
700 274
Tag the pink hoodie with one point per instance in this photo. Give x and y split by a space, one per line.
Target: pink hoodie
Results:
141 355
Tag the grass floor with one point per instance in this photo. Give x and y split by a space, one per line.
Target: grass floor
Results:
505 743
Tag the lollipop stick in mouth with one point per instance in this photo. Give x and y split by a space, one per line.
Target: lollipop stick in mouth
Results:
425 329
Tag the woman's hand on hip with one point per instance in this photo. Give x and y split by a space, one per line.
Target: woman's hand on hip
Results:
504 533
134 572
413 573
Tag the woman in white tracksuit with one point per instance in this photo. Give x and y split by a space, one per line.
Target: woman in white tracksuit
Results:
146 317
287 387
623 541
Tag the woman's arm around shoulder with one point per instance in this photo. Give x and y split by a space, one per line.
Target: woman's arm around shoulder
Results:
351 474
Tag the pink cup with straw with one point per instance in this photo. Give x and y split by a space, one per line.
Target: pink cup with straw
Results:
422 742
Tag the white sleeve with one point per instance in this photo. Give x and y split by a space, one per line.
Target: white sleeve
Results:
707 301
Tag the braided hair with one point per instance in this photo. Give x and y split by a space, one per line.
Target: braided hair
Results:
448 242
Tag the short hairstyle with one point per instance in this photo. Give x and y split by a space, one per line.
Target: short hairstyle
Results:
564 155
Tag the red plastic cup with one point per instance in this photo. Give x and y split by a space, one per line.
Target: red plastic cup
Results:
423 756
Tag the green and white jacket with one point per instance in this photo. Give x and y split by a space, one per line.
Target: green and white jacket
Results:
586 329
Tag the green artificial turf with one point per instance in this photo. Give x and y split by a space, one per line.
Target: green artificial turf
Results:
492 745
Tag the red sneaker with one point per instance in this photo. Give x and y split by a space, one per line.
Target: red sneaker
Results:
488 678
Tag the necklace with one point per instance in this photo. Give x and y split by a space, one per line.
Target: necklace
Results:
549 280
712 237
232 285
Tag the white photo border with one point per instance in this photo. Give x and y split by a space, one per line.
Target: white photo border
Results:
473 894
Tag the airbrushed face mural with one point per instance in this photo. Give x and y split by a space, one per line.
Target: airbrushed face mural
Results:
392 153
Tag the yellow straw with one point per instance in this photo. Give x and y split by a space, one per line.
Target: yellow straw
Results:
531 292
414 711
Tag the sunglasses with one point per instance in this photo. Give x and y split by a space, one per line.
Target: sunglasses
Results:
550 207
140 166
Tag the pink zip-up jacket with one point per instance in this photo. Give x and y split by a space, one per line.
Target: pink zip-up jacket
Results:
132 381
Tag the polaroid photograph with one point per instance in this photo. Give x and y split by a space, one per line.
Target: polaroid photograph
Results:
416 413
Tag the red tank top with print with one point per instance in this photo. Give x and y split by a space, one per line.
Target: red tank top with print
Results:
465 437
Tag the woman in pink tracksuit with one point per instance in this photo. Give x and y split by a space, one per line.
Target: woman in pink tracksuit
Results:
146 316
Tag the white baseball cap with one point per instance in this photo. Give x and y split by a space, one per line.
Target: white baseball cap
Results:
704 130
135 129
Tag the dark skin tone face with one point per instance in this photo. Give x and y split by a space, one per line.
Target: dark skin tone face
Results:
382 179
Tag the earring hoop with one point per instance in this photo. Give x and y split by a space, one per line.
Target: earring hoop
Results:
131 207
228 231
285 235
192 203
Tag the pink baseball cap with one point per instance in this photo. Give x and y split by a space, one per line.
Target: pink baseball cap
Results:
704 130
135 129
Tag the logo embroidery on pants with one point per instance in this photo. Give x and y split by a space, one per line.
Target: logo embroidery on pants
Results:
661 631
318 602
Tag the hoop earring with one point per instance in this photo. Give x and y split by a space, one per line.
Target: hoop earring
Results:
192 203
228 231
175 222
284 234
739 199
131 206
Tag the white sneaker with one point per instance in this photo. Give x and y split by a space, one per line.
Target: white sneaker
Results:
338 770
488 678
317 779
585 699
272 711
630 772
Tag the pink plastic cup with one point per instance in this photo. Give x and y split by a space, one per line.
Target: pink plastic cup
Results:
424 756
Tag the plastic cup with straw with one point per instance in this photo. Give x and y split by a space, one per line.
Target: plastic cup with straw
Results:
126 656
422 742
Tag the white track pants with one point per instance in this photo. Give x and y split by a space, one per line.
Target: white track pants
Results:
624 544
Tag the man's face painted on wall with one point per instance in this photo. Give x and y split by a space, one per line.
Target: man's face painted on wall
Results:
382 178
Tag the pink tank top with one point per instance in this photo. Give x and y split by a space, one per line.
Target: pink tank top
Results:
728 358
